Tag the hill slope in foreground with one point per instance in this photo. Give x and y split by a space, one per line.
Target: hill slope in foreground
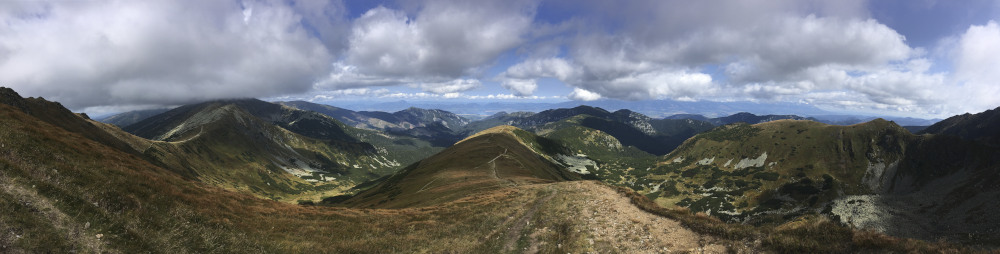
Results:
62 192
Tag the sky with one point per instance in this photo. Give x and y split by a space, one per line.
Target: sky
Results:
921 58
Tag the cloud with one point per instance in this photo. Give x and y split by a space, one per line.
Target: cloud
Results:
337 94
522 78
108 54
99 53
756 50
443 40
784 48
977 68
520 87
782 51
539 68
583 95
656 84
450 87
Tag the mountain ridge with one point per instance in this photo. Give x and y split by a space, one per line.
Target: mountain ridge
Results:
980 127
497 158
63 192
271 150
54 113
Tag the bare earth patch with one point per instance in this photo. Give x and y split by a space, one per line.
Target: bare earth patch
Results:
606 221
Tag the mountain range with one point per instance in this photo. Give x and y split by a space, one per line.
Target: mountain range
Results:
246 175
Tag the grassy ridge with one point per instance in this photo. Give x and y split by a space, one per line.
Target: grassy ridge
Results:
496 158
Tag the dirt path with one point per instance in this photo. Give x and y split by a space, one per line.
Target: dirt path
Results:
493 164
613 224
514 232
428 184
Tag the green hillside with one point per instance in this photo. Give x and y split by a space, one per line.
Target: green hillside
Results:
272 151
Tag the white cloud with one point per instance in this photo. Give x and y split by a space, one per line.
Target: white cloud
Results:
139 53
522 78
454 86
907 87
444 39
783 52
583 95
657 84
977 68
762 50
96 53
539 68
436 43
782 49
520 87
511 97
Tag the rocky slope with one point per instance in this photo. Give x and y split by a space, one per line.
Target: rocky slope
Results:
874 175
